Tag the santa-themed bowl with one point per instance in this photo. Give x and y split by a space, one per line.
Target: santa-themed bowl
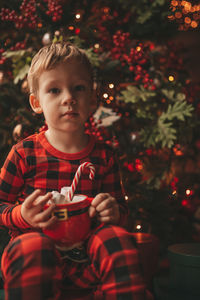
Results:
74 223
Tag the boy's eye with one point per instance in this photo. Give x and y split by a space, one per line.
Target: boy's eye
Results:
80 88
54 91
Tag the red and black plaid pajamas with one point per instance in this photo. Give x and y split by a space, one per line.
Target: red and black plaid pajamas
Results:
31 266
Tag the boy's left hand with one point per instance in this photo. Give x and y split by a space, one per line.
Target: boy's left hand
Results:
106 208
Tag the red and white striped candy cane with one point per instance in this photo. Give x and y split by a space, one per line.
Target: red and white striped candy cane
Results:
75 181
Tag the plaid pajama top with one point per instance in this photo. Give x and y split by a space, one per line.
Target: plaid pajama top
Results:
34 164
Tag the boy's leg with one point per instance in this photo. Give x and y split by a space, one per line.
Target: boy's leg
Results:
31 268
114 266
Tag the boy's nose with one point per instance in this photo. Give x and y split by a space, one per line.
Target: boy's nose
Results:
68 99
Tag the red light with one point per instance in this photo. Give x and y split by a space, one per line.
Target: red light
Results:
184 202
189 192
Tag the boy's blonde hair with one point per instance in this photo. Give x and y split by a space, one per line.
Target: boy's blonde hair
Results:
49 56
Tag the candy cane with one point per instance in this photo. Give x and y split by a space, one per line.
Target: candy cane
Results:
75 181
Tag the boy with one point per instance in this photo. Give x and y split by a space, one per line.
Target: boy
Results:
61 87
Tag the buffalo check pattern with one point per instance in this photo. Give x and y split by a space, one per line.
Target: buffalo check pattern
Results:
33 268
31 265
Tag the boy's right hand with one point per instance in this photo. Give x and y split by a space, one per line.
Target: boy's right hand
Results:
32 210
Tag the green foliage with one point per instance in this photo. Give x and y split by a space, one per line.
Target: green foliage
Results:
172 95
93 57
21 60
136 94
159 128
143 8
179 110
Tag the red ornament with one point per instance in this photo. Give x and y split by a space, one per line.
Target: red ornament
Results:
77 31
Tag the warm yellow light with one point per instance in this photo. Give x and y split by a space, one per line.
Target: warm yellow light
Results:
111 85
138 227
178 14
174 192
183 3
188 192
71 27
106 10
188 6
138 48
78 16
111 98
171 78
126 198
187 20
105 95
96 46
174 3
194 24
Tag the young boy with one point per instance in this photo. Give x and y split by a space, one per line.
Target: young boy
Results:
61 87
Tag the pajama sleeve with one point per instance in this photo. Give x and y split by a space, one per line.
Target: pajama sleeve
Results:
11 183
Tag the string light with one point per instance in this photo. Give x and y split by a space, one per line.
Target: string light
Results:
106 10
178 15
126 198
105 95
189 192
111 86
185 14
171 78
174 3
96 46
194 24
187 20
78 16
138 227
71 27
138 48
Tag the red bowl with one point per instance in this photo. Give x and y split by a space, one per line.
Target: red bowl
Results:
73 224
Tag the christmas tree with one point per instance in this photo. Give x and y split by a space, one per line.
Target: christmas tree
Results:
148 101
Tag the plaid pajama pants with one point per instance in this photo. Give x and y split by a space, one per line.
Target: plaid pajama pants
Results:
32 267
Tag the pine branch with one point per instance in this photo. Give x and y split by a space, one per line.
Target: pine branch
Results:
134 94
179 110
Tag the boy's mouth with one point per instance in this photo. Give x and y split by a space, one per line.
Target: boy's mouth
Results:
70 114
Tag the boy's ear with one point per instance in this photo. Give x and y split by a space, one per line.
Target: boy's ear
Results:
35 104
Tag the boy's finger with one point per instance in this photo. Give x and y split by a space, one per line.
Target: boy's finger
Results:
105 213
43 199
92 211
31 198
104 219
45 214
99 198
49 223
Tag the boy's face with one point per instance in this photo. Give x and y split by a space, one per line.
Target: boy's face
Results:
64 96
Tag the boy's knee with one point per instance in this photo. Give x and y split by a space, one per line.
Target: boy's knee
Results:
111 239
24 248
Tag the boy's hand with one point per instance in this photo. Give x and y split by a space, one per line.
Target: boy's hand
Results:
106 208
33 213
